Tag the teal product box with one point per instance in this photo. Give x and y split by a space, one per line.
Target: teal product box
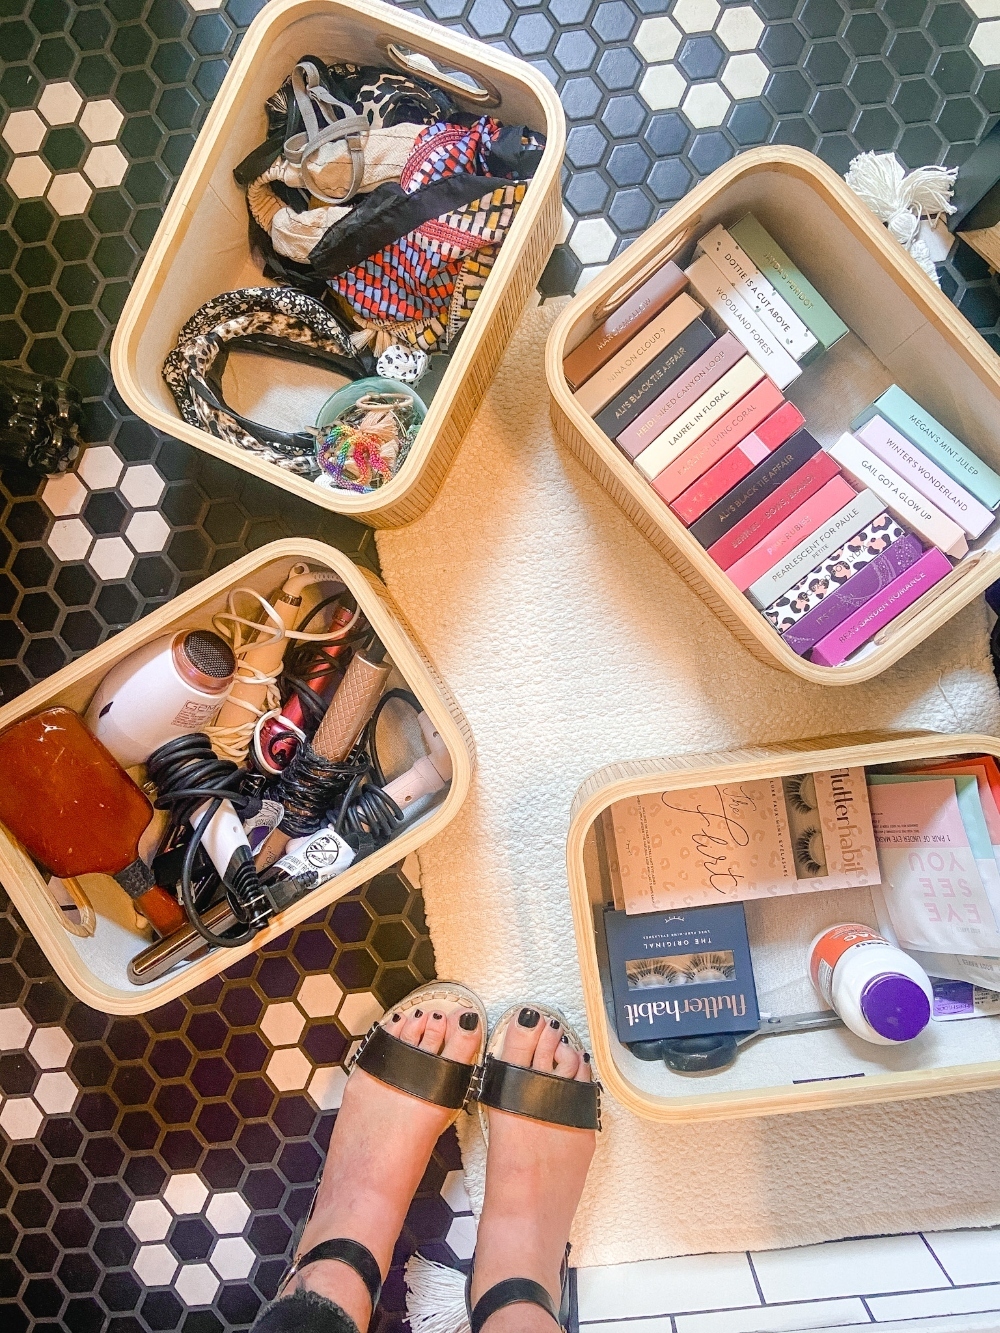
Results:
819 317
682 973
937 442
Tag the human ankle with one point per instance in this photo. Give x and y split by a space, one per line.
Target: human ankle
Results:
338 1283
520 1319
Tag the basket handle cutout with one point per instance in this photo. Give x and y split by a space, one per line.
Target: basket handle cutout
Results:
676 241
478 91
87 924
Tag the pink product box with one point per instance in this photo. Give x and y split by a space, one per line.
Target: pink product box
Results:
715 447
806 480
780 426
805 520
902 592
685 391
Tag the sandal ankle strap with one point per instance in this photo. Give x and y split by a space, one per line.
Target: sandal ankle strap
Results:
349 1252
512 1291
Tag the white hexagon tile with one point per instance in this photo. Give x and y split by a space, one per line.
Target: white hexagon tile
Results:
69 192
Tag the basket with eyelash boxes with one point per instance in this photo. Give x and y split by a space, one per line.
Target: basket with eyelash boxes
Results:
681 974
753 839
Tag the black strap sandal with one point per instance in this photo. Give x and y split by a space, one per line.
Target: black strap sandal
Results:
350 1252
532 1093
519 1291
432 1078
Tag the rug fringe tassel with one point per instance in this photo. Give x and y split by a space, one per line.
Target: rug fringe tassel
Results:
435 1297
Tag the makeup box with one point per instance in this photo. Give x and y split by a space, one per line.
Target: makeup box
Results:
797 1071
201 248
94 969
903 330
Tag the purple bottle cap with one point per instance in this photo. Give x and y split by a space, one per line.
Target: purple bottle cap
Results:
895 1006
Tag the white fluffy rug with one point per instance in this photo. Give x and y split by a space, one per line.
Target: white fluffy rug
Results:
570 643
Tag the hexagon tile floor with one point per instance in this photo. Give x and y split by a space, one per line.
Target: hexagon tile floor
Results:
151 1171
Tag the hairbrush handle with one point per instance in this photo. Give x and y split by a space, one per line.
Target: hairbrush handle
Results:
352 706
160 908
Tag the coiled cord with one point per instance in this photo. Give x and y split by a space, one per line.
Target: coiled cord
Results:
310 783
186 774
366 809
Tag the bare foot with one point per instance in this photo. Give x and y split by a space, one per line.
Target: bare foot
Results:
535 1173
379 1150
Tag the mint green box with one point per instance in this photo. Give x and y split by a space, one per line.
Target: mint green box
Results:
798 291
934 440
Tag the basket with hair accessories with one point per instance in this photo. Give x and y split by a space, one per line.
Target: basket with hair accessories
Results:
399 175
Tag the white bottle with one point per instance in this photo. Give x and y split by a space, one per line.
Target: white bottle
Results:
880 992
169 688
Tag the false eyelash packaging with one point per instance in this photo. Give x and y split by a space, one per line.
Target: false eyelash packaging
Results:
683 973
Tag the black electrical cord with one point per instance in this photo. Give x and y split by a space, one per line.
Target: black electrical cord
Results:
310 783
309 661
186 772
371 728
366 807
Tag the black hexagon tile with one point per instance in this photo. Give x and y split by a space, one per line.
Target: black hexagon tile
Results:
157 1167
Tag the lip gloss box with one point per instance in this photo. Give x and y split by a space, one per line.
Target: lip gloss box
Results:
700 416
763 487
615 374
902 499
733 262
641 392
710 367
731 468
780 426
801 295
721 296
809 516
815 548
938 443
836 570
879 610
842 602
931 481
625 323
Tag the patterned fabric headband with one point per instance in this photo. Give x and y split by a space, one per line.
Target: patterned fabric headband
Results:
277 320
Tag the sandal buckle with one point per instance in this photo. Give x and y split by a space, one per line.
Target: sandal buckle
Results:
475 1084
362 1044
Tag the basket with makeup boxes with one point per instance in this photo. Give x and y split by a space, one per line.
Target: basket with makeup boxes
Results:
794 415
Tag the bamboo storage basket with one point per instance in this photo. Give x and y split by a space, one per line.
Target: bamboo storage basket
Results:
201 248
965 1055
901 319
94 969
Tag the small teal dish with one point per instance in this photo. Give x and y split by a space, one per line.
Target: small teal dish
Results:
344 399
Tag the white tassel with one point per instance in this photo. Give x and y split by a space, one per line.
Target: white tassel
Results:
435 1297
902 199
